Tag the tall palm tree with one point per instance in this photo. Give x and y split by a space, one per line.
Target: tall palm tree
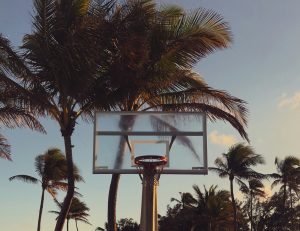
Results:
254 189
288 174
51 168
236 164
78 212
56 71
151 67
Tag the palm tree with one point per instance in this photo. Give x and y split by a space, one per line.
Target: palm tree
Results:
56 71
151 67
236 164
212 207
288 174
78 212
254 189
51 167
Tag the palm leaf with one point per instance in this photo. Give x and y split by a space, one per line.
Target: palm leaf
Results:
219 171
196 35
25 178
4 148
192 94
17 117
84 220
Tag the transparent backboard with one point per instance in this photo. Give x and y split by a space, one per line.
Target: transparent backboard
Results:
119 137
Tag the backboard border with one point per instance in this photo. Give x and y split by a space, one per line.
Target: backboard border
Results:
196 171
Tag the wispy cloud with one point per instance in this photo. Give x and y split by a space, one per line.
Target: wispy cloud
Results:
222 139
292 102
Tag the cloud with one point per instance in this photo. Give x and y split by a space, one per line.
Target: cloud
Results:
222 139
292 102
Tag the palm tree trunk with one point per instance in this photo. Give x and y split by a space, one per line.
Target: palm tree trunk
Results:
76 225
291 197
233 204
41 209
67 224
112 202
251 214
284 199
70 192
125 124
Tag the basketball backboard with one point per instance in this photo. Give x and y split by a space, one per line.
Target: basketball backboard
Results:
119 137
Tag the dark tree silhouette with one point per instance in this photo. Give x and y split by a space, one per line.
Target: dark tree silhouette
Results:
236 164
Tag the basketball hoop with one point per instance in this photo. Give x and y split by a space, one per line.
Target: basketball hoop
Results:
151 164
150 160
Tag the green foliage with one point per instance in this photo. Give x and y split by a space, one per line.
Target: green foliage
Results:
177 218
274 219
125 224
203 211
253 192
288 176
208 210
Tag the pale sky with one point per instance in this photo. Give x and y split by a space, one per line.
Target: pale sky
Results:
262 66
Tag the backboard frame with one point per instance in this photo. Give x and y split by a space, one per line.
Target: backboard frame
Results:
194 171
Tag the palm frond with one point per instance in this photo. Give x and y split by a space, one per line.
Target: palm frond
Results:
220 172
44 20
84 220
4 148
240 182
221 164
12 117
191 93
10 61
25 178
196 35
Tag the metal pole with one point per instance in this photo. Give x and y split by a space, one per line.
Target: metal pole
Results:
149 199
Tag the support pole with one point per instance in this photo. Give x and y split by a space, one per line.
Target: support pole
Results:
150 181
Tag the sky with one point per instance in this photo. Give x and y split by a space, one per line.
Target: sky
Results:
262 67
